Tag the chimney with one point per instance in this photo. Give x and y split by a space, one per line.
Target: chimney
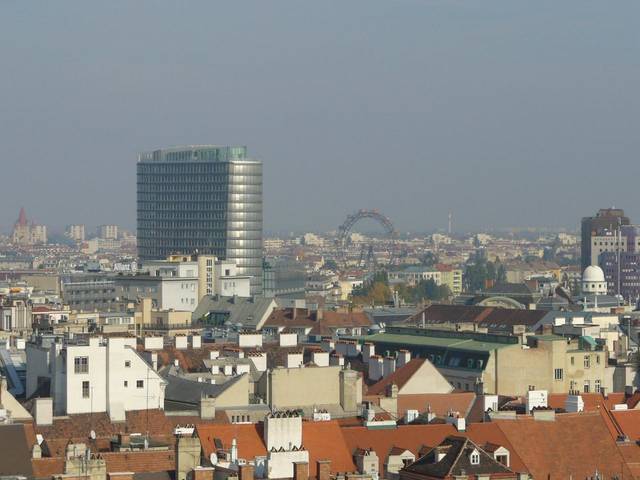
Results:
294 312
207 408
234 451
324 469
319 314
43 411
246 472
300 471
547 329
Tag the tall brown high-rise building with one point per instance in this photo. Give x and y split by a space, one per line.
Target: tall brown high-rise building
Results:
606 219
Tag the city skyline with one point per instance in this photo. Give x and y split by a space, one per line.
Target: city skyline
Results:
394 114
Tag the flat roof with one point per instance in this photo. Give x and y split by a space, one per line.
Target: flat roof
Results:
468 344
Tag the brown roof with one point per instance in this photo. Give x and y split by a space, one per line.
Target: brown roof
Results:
76 428
15 450
493 318
320 326
400 377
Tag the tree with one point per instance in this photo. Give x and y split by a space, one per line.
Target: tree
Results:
429 259
330 265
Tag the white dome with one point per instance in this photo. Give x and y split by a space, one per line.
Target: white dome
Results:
593 273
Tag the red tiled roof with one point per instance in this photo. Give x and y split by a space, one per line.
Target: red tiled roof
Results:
400 377
76 428
572 446
140 462
323 440
414 437
136 462
633 400
47 467
629 423
440 403
592 401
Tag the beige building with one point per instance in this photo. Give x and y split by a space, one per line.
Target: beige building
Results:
108 232
76 232
502 364
330 387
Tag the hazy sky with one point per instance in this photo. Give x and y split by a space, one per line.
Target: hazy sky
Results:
507 113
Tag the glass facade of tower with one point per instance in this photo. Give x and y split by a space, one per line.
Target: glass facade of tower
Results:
204 199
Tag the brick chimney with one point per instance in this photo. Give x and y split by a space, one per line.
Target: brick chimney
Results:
246 472
324 469
300 471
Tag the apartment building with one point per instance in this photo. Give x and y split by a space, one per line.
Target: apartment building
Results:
90 375
215 277
503 364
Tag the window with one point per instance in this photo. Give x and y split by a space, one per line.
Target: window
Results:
596 386
558 374
126 384
127 363
587 385
139 383
587 361
85 389
475 458
572 361
81 365
598 359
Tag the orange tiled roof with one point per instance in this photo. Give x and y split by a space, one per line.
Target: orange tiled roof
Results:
592 401
415 437
440 403
574 445
323 440
629 423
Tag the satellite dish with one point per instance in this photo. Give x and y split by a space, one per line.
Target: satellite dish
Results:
92 434
213 458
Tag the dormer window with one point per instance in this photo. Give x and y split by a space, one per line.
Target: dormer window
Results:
475 458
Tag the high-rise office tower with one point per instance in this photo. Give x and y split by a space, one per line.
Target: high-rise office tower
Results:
606 219
205 199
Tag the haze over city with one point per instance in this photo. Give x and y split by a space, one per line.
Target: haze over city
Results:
515 113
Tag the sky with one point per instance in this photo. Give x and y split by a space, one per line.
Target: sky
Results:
505 113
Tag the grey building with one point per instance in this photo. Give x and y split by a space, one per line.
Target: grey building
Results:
606 219
205 199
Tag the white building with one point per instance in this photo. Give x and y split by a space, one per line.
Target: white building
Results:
593 281
213 276
95 376
15 316
415 274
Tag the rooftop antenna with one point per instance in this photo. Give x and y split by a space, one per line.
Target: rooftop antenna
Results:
450 222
